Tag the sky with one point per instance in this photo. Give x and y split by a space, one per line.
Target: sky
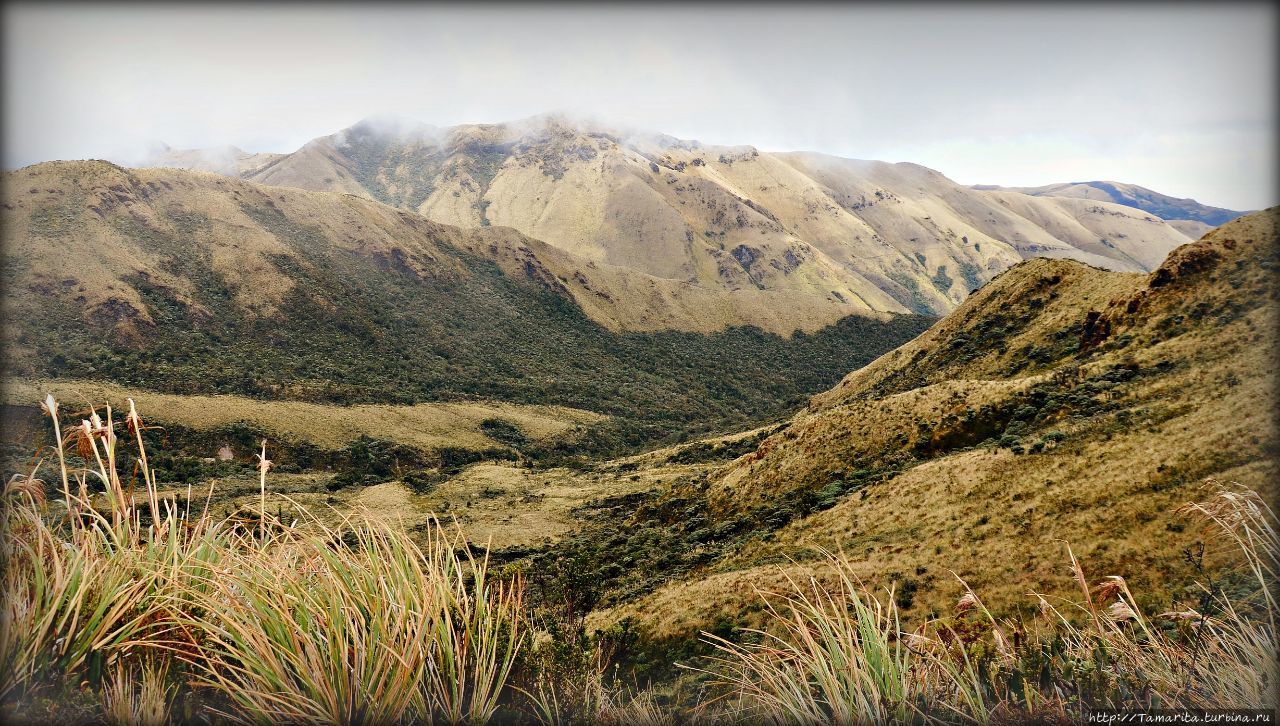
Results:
1179 98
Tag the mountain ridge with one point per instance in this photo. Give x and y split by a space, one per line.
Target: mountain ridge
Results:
878 236
1166 207
1023 419
192 282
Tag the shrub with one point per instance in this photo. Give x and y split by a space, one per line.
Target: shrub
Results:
504 432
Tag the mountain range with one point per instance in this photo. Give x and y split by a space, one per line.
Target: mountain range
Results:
845 236
1196 218
726 357
673 286
193 283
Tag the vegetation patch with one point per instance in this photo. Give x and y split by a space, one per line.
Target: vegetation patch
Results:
352 332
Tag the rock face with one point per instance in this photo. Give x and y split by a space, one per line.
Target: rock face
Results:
856 235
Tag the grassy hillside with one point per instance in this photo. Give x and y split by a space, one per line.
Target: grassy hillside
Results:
870 235
189 283
424 426
1061 404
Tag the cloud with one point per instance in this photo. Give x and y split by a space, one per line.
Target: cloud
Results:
1176 96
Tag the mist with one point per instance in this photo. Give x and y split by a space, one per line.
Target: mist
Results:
1176 98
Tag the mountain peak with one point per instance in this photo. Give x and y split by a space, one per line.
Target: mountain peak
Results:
847 235
1163 206
389 126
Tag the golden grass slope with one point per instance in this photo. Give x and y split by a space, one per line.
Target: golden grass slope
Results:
622 299
1162 205
873 235
1190 227
923 207
683 209
494 505
426 426
1196 340
81 229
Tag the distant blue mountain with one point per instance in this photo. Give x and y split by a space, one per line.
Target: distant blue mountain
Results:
1131 195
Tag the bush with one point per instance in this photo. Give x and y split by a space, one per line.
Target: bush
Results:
504 432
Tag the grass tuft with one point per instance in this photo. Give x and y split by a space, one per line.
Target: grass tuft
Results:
836 654
274 623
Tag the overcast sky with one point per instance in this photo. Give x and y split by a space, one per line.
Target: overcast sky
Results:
1177 98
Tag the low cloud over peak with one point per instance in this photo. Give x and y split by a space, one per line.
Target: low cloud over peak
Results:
1174 98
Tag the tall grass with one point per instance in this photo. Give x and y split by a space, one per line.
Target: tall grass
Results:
68 603
364 623
833 657
584 691
138 696
1223 653
358 624
836 654
368 630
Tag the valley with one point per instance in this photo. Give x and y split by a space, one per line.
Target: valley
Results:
799 364
1021 422
193 284
651 436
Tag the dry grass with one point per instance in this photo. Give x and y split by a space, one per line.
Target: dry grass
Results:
137 696
424 425
836 659
369 632
496 505
595 703
355 624
1201 406
510 506
838 655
